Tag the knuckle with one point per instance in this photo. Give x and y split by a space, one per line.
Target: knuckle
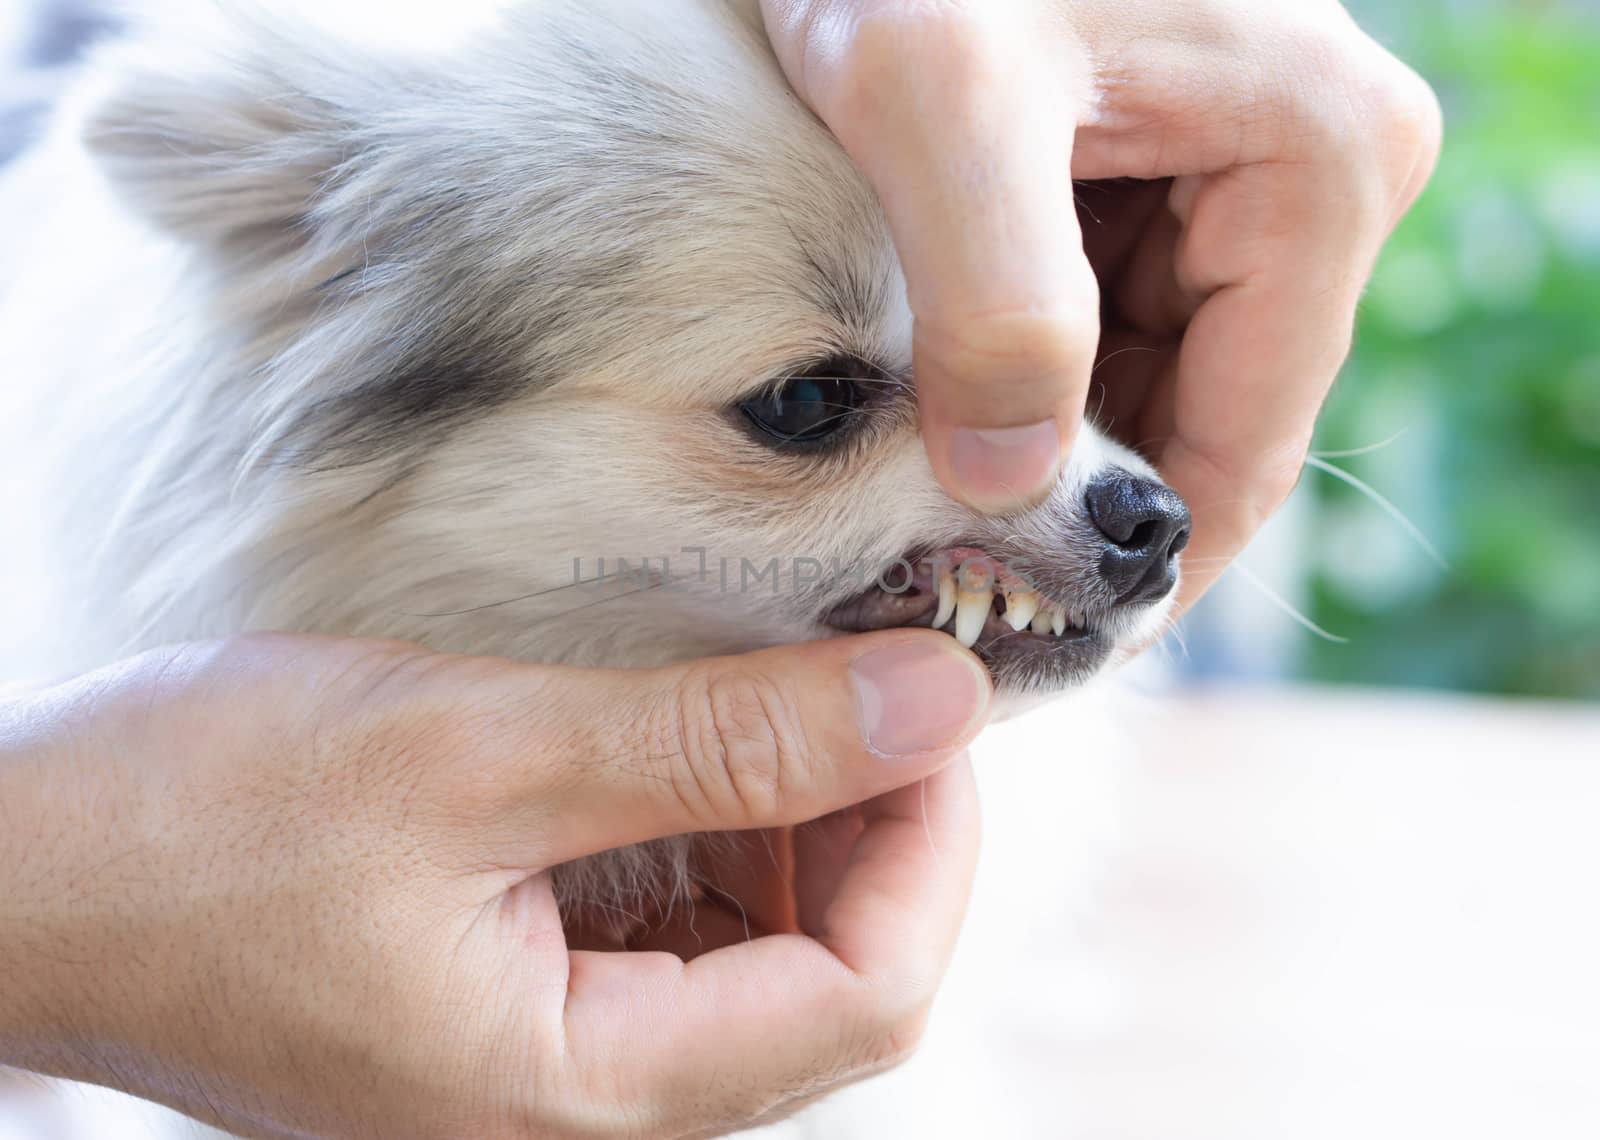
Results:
889 40
742 752
1413 125
386 694
1012 336
1353 97
902 1042
884 32
1273 482
891 1026
595 1120
584 1101
1260 481
398 719
893 1041
1318 106
346 685
1011 351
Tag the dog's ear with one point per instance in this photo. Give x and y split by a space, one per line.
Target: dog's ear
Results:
219 132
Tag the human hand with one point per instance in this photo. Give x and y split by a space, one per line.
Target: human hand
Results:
299 886
1278 145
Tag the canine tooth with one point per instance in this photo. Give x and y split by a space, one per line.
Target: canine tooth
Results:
1058 620
947 597
972 610
1020 609
1041 621
974 602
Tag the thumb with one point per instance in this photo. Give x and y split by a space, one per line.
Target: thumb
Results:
962 116
768 739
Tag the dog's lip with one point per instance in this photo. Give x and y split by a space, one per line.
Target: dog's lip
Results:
914 600
1016 660
917 578
879 609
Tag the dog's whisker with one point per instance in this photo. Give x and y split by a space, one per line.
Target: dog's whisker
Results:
513 601
1383 504
1357 452
1172 628
596 603
1110 356
641 310
1284 604
880 381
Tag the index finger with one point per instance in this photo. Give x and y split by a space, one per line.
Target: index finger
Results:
1290 247
965 129
787 1015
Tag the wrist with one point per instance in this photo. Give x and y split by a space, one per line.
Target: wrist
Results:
43 966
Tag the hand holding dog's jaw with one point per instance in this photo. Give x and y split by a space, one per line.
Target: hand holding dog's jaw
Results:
328 910
1293 148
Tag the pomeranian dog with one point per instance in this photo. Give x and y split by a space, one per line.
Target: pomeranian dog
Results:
576 339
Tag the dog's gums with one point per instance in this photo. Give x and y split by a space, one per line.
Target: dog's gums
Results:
985 606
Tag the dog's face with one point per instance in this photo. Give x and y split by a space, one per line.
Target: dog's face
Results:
584 342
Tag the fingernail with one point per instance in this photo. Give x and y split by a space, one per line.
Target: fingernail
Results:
999 469
917 697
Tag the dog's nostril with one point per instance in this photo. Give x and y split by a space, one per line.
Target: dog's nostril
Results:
1144 535
1146 526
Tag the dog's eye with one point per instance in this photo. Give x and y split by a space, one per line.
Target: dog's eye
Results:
804 409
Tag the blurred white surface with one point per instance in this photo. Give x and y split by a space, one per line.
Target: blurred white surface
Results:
1271 914
1251 915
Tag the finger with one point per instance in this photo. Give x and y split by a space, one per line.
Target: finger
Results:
892 915
588 760
1282 273
1272 251
781 1017
965 129
1150 294
823 850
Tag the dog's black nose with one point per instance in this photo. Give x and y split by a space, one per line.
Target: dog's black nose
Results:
1146 526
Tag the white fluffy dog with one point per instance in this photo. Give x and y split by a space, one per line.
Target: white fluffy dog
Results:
298 332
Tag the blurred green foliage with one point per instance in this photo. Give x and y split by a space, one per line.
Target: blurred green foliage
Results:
1479 340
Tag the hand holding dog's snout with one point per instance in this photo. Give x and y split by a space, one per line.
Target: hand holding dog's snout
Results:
1247 158
301 886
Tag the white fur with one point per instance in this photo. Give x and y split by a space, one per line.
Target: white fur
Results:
241 229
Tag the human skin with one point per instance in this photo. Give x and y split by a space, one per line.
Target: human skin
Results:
1279 145
300 886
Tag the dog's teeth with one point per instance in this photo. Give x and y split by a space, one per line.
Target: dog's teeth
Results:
947 597
1041 621
1058 620
1020 609
974 603
972 610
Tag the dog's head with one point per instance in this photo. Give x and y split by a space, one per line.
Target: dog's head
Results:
583 341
